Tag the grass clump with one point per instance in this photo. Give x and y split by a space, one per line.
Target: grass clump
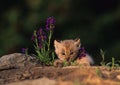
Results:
102 53
112 64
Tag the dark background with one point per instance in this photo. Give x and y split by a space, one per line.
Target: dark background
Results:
96 22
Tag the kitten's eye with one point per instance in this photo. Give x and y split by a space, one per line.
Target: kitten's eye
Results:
71 53
78 45
63 53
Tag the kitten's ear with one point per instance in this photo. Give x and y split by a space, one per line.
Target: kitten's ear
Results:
56 43
77 42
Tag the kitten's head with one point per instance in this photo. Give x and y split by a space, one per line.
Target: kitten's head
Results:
67 49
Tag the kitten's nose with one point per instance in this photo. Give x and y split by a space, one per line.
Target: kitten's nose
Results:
68 59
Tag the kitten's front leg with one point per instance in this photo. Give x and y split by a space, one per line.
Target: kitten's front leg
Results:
58 63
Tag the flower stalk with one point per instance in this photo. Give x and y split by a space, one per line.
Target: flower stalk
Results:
42 42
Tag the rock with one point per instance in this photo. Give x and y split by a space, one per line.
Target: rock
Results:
41 81
17 60
2 81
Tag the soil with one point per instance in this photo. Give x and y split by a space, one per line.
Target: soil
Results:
20 69
73 75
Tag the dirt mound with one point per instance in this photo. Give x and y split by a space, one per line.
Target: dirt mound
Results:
80 75
27 72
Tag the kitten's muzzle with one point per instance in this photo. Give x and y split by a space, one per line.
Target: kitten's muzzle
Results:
68 59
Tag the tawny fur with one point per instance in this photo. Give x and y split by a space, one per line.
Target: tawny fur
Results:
67 50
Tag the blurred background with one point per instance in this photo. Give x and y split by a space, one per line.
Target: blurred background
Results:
95 22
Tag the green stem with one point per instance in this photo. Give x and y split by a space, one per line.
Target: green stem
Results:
44 47
49 40
113 62
26 51
37 47
36 41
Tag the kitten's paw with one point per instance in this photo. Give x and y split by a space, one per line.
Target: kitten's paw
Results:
85 64
58 63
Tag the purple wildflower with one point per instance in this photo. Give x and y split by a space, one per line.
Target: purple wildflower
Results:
82 52
41 38
50 23
41 35
40 45
40 32
33 38
50 20
24 50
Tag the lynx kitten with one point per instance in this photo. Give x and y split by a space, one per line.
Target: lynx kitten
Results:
69 50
